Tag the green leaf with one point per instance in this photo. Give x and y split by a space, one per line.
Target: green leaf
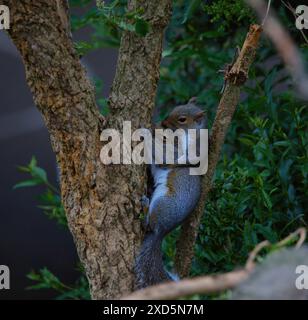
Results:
291 192
41 174
47 280
126 26
281 143
142 27
284 169
27 183
23 169
247 141
82 47
267 199
33 162
192 7
267 232
167 53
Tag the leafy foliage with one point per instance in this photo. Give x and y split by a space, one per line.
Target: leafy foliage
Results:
226 12
107 22
47 280
260 192
50 203
50 200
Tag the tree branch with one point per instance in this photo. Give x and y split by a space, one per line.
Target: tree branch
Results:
235 78
102 203
66 97
137 73
188 287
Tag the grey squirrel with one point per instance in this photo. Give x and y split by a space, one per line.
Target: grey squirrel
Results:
176 194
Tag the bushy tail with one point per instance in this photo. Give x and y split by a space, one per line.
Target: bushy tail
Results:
149 267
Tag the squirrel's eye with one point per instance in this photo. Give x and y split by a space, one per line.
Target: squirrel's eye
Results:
182 119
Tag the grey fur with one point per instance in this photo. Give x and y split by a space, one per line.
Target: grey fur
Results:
170 204
170 212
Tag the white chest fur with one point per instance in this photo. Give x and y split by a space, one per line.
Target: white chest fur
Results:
160 183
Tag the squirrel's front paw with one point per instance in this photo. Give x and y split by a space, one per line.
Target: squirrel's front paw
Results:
145 202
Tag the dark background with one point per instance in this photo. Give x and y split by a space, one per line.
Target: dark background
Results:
28 239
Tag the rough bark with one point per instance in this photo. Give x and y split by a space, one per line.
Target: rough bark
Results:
101 202
235 78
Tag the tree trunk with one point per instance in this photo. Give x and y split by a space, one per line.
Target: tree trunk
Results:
101 202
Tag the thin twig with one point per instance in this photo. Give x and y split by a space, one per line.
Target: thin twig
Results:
302 237
252 256
267 11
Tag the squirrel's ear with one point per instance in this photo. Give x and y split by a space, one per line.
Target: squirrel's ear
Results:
192 100
165 123
199 116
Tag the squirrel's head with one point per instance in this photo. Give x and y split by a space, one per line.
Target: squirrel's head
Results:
187 116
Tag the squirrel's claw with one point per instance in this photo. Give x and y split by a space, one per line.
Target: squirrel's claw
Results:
145 203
